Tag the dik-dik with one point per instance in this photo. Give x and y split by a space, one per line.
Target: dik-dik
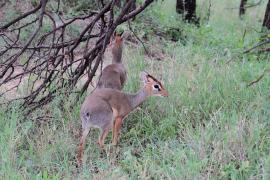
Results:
107 108
114 75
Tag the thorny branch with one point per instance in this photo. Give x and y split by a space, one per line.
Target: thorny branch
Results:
50 62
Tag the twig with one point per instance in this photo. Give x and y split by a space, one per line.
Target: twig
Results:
21 17
247 6
259 78
209 10
257 45
136 11
263 50
253 5
130 28
14 58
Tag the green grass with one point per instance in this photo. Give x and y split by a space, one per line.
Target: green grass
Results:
212 126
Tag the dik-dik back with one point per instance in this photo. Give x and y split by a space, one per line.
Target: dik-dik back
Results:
114 75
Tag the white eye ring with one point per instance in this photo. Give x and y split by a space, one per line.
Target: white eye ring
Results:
156 86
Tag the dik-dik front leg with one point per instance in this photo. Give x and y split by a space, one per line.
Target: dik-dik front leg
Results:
116 129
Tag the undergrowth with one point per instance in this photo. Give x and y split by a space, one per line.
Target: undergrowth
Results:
212 125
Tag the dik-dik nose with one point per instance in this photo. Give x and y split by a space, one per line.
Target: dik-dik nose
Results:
165 93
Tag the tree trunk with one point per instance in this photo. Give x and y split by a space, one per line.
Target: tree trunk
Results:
188 9
242 8
266 21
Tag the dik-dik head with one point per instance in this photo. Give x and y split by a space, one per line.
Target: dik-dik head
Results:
117 39
117 48
153 86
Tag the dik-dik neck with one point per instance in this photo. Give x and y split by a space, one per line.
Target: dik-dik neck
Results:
117 54
137 98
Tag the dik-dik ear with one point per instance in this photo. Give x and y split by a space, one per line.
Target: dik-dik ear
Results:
120 33
111 40
144 77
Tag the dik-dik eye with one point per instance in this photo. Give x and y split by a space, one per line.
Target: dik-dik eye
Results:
156 86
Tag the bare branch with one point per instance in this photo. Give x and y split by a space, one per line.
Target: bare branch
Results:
53 62
136 11
21 17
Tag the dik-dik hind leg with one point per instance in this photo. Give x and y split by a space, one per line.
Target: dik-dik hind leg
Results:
102 137
82 144
116 129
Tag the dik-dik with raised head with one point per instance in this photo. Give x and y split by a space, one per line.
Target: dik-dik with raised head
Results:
107 108
114 75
